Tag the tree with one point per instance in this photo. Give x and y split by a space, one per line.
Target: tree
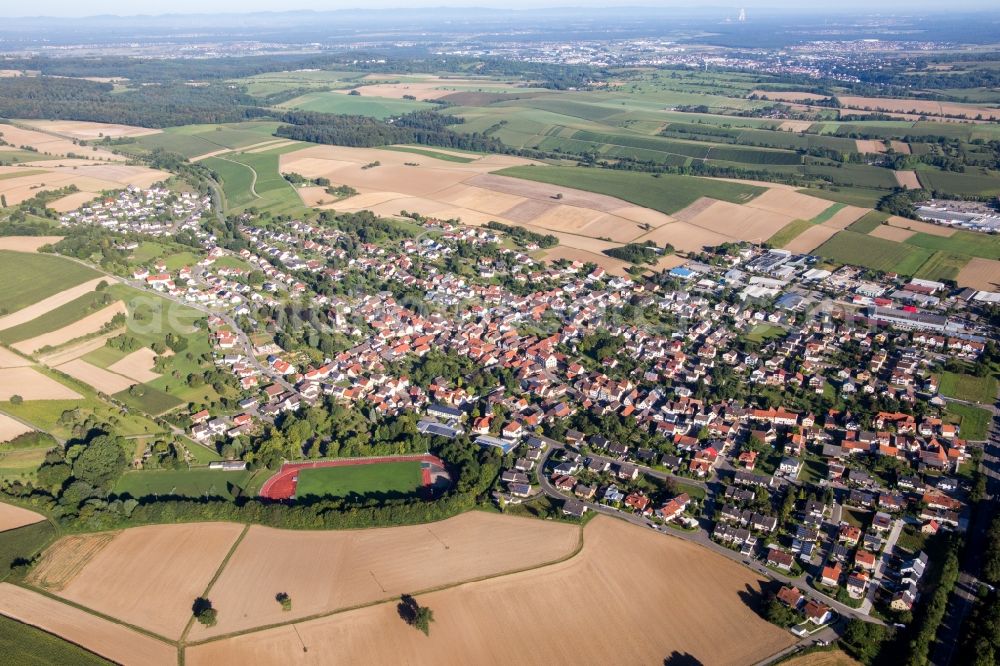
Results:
285 600
204 613
16 399
415 615
101 462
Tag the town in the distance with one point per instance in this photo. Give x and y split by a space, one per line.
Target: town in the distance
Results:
632 337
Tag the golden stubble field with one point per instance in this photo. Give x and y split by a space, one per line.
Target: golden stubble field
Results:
91 178
630 597
12 517
145 576
108 639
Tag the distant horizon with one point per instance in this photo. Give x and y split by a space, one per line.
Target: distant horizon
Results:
62 9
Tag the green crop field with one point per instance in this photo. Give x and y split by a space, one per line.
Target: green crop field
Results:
788 233
25 645
356 105
389 478
868 222
197 482
52 320
968 387
148 399
828 213
253 180
971 243
27 278
849 247
966 184
942 266
863 197
667 194
23 543
195 140
973 422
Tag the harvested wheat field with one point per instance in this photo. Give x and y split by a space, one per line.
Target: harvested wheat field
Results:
789 203
610 264
892 233
91 178
326 571
719 222
79 129
71 202
47 144
92 323
845 217
918 106
9 359
825 658
466 191
149 576
795 125
108 639
907 179
75 350
138 366
66 558
630 597
9 429
687 237
30 384
99 378
26 243
12 517
920 227
981 274
811 238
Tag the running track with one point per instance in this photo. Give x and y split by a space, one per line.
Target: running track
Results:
281 486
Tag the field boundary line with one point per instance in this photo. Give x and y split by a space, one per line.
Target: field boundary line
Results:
211 583
446 586
86 609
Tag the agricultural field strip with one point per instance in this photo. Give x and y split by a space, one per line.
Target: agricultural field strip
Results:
94 631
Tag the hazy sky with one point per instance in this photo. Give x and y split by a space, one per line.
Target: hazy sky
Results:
132 7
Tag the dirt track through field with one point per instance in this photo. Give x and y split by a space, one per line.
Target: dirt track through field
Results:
12 517
51 303
630 597
92 323
112 641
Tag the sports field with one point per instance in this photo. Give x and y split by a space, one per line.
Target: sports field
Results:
388 478
204 483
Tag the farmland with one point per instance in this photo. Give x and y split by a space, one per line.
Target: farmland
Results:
664 576
849 247
25 645
388 478
30 278
667 194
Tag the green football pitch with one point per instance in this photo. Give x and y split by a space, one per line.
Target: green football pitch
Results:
391 478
